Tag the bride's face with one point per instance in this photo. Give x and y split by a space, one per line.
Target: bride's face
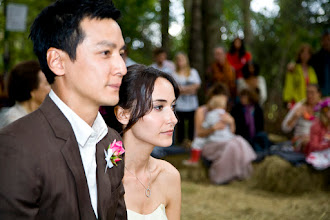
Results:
156 127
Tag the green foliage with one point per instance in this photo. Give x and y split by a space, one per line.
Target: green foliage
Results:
20 46
278 39
137 16
232 19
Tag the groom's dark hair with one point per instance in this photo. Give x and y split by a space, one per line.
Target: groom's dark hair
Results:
58 26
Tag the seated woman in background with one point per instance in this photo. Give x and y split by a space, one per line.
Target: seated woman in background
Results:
253 81
27 88
146 110
249 120
318 148
300 118
229 159
217 106
299 78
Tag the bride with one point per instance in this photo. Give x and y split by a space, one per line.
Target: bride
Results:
146 111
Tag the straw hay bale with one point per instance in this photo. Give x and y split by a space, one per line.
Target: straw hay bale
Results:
277 175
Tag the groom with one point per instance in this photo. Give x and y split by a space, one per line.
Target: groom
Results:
52 162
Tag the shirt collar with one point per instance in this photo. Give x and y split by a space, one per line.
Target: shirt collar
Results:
80 128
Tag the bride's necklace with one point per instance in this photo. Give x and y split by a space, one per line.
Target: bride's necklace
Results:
148 191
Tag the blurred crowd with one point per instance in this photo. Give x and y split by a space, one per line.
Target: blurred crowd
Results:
227 132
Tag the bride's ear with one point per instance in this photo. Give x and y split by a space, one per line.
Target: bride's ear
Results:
122 115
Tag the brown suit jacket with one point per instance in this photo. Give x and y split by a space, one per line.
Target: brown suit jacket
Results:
42 175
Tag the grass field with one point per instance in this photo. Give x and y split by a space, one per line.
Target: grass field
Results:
240 200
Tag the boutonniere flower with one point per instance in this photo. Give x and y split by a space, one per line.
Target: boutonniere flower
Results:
112 155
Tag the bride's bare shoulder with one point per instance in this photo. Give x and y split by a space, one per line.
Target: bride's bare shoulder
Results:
166 169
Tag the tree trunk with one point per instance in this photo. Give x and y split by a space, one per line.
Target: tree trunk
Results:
248 38
196 42
187 4
211 10
165 9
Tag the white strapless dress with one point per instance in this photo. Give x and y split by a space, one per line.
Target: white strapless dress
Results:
158 214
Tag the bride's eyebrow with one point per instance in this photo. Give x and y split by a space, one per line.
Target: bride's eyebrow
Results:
159 100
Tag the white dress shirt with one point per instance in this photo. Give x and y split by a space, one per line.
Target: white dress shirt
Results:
87 138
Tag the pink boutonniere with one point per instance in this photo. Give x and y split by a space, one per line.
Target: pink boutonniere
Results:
112 155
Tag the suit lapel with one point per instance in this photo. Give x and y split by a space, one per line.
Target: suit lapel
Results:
70 151
71 154
103 177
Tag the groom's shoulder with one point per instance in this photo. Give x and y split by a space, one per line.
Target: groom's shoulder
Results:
27 128
22 123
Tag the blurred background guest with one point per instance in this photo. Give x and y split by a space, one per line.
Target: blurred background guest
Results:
220 71
217 106
249 120
27 88
253 81
302 75
127 59
161 62
238 56
300 118
320 130
229 159
189 83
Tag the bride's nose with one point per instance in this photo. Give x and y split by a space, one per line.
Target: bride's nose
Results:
172 119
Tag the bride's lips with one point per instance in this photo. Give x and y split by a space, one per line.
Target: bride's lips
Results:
169 132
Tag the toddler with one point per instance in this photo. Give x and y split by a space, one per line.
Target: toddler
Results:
217 105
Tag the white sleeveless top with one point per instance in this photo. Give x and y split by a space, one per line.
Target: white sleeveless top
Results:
158 214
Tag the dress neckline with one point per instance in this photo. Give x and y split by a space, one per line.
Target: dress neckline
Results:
161 206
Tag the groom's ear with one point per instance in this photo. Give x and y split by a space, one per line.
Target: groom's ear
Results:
56 60
122 115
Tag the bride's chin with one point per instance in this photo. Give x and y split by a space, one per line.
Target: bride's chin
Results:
168 144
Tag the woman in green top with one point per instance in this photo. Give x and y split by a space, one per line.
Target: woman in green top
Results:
302 75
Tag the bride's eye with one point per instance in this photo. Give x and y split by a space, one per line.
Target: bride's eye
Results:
173 107
158 107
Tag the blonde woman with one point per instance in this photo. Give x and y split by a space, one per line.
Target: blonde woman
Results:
189 83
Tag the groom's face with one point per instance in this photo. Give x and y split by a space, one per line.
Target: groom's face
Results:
94 78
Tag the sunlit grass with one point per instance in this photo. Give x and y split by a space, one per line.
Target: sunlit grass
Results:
240 200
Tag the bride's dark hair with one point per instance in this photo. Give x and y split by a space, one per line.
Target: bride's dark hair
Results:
135 92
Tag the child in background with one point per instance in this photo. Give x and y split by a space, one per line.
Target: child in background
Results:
249 120
218 105
318 148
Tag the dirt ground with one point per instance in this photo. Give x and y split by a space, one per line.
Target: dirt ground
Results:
241 200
